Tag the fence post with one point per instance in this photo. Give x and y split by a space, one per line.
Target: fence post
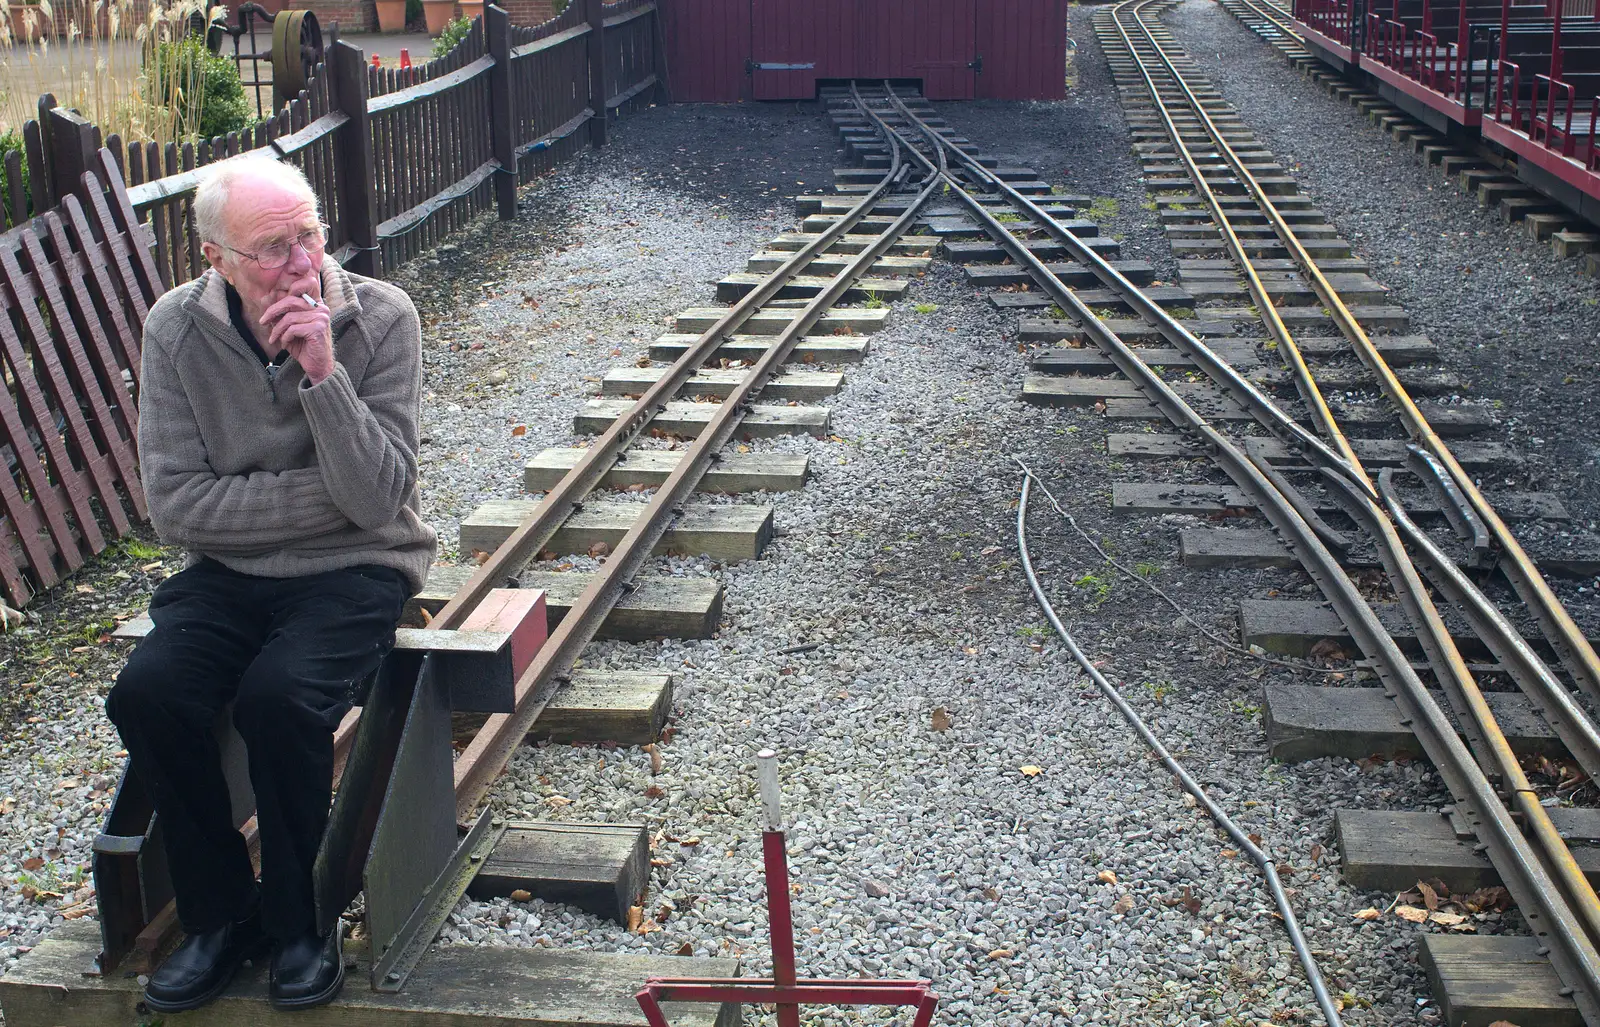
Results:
354 172
72 152
502 109
597 71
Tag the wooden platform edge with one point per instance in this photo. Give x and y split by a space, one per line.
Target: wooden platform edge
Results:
453 986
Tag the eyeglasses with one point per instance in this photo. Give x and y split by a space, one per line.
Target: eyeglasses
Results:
279 254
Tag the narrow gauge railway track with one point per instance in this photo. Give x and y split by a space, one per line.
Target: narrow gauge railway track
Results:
1282 249
1240 205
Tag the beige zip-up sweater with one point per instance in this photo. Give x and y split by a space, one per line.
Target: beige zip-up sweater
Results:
263 471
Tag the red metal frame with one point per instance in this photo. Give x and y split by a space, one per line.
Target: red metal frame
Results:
1329 22
783 988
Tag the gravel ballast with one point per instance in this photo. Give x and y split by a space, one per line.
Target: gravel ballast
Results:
1029 858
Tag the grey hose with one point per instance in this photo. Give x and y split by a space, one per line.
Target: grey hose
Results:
1269 869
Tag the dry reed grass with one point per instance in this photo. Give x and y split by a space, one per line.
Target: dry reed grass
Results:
107 63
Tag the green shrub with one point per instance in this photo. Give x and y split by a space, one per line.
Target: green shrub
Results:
203 86
453 33
12 140
560 6
414 12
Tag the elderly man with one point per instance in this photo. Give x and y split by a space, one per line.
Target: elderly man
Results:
278 413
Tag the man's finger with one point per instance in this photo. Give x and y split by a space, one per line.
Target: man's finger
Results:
310 323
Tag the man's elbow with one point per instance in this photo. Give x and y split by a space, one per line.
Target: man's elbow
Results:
379 507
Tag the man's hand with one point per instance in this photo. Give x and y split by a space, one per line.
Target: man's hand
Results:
304 329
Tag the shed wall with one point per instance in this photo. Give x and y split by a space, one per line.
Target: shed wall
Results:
715 47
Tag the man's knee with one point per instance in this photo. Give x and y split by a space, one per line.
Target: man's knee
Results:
280 692
142 688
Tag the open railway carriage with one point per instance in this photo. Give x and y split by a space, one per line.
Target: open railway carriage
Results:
1524 75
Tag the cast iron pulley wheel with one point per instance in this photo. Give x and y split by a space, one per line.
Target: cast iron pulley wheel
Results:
296 50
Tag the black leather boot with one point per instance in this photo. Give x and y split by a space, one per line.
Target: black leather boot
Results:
308 971
202 967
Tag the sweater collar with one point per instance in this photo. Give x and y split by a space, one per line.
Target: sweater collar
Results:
207 301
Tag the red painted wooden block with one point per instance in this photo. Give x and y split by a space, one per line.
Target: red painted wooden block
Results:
519 612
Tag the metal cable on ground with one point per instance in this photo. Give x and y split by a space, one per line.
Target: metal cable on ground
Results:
1226 643
1269 869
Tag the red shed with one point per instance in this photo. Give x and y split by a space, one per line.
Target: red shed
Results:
725 50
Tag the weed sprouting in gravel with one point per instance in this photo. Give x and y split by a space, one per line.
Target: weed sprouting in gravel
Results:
1103 207
1006 217
925 308
1145 569
874 301
1096 585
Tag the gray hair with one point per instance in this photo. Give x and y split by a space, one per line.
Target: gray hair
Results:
211 196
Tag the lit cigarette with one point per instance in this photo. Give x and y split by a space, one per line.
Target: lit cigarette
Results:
309 301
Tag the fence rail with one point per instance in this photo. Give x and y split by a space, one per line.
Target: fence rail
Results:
399 158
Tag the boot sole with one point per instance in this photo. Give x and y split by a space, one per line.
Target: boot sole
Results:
321 998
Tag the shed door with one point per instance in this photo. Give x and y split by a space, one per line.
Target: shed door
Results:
932 40
794 44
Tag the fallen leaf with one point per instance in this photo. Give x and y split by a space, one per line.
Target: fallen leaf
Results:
599 549
1413 914
992 894
689 843
654 792
1446 919
1032 771
1107 877
686 949
1123 904
1367 914
32 863
1316 853
1430 898
635 915
940 721
558 800
480 557
1001 954
1230 853
521 895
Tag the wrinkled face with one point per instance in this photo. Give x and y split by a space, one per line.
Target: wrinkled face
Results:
262 215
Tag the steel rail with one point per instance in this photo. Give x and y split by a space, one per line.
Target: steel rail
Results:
1563 634
565 497
1575 728
1288 348
1482 728
1534 887
493 745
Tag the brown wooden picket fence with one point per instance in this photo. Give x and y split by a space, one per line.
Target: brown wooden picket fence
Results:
399 158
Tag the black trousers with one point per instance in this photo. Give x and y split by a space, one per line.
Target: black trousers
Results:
287 652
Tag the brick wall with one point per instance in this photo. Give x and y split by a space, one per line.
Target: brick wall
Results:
362 16
352 15
529 12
